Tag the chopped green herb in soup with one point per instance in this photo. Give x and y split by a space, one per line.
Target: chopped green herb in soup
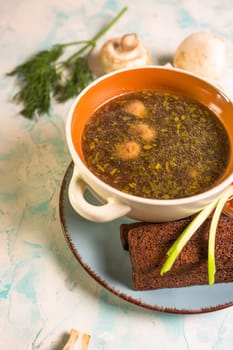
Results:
156 145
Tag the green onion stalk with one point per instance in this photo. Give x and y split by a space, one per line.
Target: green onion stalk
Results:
216 206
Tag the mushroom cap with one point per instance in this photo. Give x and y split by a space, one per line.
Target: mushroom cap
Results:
202 53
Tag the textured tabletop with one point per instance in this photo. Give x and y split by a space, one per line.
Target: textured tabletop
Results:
44 291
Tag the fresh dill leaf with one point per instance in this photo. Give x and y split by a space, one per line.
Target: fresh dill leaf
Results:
37 77
36 61
79 77
41 77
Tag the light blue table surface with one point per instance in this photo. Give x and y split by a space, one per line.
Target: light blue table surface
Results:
44 292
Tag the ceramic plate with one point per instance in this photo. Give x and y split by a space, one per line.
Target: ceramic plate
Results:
98 249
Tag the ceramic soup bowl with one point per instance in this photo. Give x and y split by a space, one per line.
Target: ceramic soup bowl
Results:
115 203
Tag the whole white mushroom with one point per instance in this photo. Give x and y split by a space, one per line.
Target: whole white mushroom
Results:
124 52
202 53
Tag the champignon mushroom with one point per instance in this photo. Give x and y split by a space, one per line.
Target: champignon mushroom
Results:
146 132
124 52
202 53
129 150
136 107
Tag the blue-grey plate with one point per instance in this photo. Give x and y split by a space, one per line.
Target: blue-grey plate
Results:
98 249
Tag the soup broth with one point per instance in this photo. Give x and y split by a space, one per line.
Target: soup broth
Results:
155 144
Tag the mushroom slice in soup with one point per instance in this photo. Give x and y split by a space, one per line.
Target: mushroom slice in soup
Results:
136 107
128 150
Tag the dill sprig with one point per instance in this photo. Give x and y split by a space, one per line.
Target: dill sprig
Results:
45 75
79 73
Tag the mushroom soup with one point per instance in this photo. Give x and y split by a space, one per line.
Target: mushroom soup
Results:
156 144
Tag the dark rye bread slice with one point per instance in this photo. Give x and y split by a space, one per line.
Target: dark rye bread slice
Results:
148 244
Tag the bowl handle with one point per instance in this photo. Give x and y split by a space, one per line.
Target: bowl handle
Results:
109 211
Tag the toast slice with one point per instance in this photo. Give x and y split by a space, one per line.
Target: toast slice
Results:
148 244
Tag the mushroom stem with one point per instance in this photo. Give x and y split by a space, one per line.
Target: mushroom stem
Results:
129 42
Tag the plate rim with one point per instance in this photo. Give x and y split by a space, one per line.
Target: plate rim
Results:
107 286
